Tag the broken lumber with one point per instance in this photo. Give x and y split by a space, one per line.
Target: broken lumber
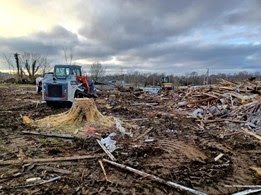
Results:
106 151
218 156
57 135
252 134
144 104
154 178
249 191
257 169
65 136
143 134
41 183
242 186
53 169
103 170
43 160
221 120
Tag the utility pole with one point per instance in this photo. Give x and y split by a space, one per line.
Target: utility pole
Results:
19 71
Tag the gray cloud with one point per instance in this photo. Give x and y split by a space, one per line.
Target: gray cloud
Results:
156 36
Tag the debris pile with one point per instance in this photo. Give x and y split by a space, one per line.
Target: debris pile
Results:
228 101
142 145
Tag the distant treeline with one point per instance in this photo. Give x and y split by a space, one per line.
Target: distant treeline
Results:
192 78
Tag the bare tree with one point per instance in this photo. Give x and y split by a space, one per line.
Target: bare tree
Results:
68 55
12 67
33 63
97 71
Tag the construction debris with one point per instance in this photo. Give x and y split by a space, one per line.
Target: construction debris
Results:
228 101
249 191
103 170
143 134
26 119
41 183
33 179
53 169
200 137
48 134
219 157
154 178
257 169
121 128
106 151
44 160
252 134
109 142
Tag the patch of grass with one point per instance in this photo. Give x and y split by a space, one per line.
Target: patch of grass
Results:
52 141
8 85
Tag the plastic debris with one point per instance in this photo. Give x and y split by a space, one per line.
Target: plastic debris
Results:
33 179
121 128
198 112
109 143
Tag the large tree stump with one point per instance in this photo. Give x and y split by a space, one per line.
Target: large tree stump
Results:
82 112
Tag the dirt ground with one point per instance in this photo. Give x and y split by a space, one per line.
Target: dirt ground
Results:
181 150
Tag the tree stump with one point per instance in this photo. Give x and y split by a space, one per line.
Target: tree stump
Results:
82 112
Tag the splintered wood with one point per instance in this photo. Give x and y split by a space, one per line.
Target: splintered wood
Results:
82 112
227 101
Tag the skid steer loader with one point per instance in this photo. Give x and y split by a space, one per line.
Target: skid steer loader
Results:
66 83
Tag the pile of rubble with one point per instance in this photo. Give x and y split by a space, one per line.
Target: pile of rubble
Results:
227 101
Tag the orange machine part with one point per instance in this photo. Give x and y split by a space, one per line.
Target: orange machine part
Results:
84 81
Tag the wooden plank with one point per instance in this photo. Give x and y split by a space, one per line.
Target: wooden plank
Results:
43 160
106 151
53 169
252 134
143 134
155 178
222 119
65 136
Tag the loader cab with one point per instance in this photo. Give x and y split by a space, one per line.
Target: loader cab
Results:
64 71
166 84
165 79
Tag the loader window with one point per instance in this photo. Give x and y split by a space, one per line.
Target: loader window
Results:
77 72
62 71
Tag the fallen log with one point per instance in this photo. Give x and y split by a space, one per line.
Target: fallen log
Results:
154 178
43 160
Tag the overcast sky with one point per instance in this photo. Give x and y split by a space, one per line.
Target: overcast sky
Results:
169 36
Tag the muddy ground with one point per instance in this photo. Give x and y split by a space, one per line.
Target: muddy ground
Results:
182 151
